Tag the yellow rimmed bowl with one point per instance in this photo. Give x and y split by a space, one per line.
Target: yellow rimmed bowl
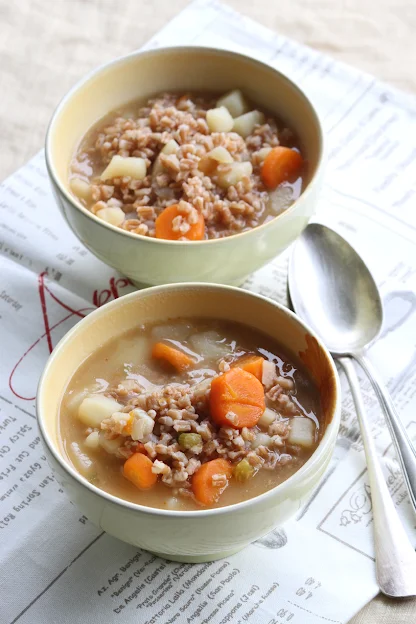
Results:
202 535
150 261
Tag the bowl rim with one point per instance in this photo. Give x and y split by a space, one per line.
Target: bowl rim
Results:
316 457
160 52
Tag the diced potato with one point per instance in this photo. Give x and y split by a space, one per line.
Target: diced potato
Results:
142 424
95 408
234 102
302 432
280 199
81 461
208 344
171 147
221 155
110 446
120 167
115 216
262 153
261 439
80 188
245 124
238 170
219 120
267 418
268 373
130 385
93 440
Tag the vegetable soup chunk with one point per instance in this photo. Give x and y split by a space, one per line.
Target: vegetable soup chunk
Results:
188 166
199 413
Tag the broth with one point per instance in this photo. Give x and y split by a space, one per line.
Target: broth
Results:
223 173
125 371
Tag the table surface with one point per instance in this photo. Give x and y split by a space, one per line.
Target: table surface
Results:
47 45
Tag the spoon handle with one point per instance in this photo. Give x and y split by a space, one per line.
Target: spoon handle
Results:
395 556
405 451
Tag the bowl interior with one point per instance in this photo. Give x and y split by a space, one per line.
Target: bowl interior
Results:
141 75
162 303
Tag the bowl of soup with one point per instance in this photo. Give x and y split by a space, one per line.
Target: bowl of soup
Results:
185 164
189 420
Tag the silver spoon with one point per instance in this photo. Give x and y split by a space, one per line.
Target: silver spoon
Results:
332 289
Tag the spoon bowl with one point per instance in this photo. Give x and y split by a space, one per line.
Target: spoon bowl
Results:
337 294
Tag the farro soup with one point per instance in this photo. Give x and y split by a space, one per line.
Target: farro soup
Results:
186 166
190 414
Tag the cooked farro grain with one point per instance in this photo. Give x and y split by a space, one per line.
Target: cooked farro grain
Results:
145 158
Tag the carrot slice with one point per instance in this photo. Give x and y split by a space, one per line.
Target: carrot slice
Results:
164 225
252 364
281 164
210 480
138 470
178 359
236 399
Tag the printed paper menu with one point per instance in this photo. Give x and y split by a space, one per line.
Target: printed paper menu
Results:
319 568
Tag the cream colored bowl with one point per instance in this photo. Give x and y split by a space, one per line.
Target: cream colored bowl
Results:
151 261
202 535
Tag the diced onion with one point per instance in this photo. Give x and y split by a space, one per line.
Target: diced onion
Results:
209 345
172 503
75 400
280 199
142 424
81 461
177 331
268 373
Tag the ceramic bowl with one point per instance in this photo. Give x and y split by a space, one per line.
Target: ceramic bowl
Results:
150 261
201 535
